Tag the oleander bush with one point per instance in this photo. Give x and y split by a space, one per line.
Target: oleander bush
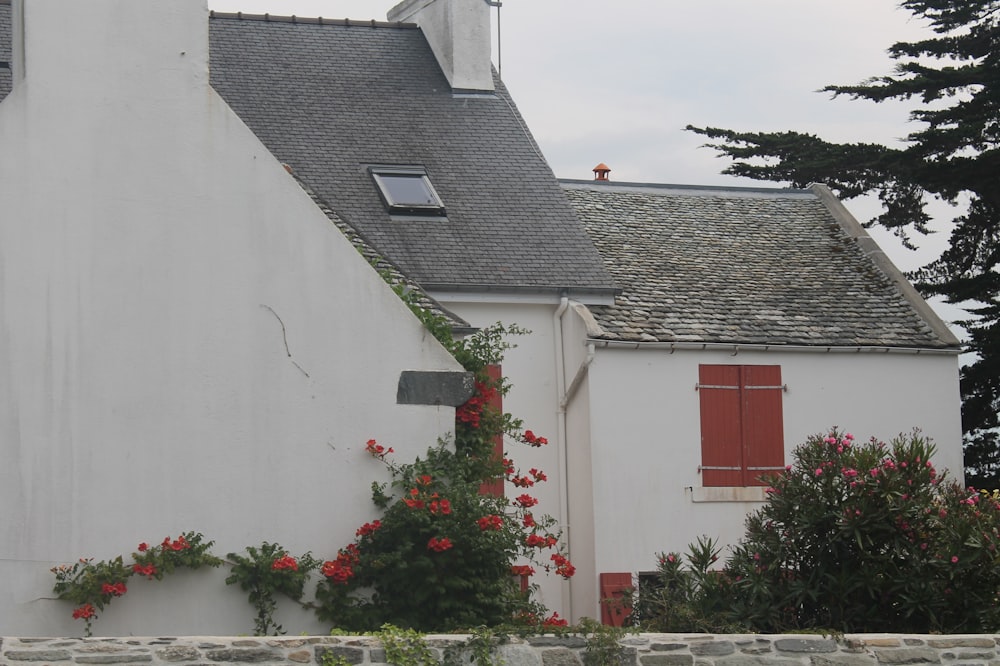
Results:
854 537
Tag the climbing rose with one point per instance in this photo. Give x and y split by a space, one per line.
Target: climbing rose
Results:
84 612
439 545
285 562
490 523
115 590
526 501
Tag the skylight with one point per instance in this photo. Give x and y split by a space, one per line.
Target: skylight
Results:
407 190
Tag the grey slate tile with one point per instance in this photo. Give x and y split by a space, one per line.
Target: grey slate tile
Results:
331 99
751 266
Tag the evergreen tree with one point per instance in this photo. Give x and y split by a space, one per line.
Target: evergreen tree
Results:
954 76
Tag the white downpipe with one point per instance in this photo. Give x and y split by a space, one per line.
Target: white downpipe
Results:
562 449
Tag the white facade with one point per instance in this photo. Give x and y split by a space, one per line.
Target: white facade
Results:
627 443
187 342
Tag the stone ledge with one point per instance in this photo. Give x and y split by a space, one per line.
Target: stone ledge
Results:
550 650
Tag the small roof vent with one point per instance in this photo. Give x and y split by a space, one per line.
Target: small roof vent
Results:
601 171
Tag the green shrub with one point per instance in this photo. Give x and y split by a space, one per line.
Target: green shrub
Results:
265 571
685 598
443 556
868 538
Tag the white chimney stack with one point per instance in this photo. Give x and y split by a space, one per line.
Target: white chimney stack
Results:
458 32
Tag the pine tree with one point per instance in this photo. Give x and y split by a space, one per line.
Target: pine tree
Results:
954 77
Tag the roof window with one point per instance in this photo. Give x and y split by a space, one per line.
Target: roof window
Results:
407 190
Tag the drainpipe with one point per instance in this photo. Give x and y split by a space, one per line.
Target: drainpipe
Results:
561 448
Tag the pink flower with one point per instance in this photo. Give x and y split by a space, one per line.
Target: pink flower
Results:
954 559
819 471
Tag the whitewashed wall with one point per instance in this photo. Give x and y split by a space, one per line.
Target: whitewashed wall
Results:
186 342
632 433
645 438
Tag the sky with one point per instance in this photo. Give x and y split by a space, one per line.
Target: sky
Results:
616 81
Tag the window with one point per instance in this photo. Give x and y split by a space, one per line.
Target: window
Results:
741 423
407 190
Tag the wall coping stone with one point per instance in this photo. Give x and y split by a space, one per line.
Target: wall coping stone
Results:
554 650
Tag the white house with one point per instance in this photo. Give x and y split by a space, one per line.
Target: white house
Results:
644 301
188 342
749 319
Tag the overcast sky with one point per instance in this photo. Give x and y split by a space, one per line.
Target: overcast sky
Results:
616 81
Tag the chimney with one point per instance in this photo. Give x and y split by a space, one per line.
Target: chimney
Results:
458 32
601 171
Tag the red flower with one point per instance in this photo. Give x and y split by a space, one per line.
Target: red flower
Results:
525 501
538 474
491 522
368 528
285 562
564 567
522 482
554 621
143 547
337 571
341 569
508 466
144 570
377 450
115 590
443 507
179 544
414 504
522 570
537 541
424 480
84 612
439 545
528 520
533 440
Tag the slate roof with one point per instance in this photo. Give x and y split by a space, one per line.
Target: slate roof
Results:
694 264
389 271
332 98
752 266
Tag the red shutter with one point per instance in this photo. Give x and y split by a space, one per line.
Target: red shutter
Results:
614 610
721 428
763 432
495 487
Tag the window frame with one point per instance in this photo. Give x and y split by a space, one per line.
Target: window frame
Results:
742 424
379 173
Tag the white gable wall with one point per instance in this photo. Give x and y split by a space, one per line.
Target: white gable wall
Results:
187 342
645 435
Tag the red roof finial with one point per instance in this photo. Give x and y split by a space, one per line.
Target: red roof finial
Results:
601 171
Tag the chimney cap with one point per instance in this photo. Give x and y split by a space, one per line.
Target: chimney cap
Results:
601 171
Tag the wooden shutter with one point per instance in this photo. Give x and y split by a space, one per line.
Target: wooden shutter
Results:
495 487
614 610
721 426
763 432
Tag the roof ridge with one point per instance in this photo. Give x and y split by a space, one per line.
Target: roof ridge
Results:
318 20
627 186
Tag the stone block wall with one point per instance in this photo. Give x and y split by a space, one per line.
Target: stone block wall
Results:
570 650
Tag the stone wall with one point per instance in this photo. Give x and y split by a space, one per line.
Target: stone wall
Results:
639 650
